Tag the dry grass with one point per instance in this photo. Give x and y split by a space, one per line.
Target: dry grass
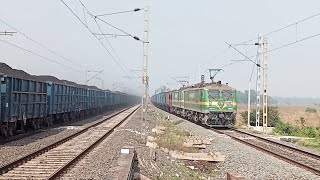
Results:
173 137
179 171
291 114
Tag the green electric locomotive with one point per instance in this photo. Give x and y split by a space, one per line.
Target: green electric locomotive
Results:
212 104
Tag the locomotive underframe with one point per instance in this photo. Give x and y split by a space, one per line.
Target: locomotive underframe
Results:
208 118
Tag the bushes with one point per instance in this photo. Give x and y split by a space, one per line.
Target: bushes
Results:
287 129
311 143
311 110
273 116
284 129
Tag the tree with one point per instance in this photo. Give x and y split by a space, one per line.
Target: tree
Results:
273 116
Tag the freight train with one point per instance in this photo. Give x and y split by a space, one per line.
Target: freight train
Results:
211 104
27 102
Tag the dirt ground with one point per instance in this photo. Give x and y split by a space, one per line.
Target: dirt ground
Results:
292 114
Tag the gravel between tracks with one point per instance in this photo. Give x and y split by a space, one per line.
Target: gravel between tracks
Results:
246 161
21 147
101 163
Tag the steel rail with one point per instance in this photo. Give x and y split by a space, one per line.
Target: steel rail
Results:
16 162
16 137
315 156
307 167
94 144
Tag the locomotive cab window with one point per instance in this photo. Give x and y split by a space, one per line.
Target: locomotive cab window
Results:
213 94
227 94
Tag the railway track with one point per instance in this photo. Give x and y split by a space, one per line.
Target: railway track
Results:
52 161
304 159
30 132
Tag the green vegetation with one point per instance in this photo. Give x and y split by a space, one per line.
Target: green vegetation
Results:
311 143
273 116
173 137
287 129
311 110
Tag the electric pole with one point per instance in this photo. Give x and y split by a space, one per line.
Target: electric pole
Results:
145 77
265 84
258 87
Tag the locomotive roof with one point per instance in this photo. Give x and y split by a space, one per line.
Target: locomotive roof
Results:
207 86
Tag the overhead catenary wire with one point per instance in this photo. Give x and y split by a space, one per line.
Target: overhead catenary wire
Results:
38 43
100 29
114 49
121 12
95 76
284 27
275 49
113 58
114 26
242 54
43 57
289 44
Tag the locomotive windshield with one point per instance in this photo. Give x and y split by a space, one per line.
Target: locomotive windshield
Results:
227 94
214 94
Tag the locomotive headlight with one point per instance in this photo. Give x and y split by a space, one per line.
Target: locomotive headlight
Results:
220 104
229 103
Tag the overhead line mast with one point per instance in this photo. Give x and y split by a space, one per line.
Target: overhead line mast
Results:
265 85
258 85
145 77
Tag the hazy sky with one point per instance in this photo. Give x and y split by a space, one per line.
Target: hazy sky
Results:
186 37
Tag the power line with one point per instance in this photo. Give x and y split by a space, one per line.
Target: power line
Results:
243 54
297 41
275 49
43 57
285 27
121 12
113 48
97 17
102 33
94 76
107 39
230 64
94 36
114 26
40 44
109 34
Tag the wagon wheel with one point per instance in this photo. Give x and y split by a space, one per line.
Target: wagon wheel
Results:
24 128
66 117
33 124
46 122
10 130
5 131
23 124
50 119
39 123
